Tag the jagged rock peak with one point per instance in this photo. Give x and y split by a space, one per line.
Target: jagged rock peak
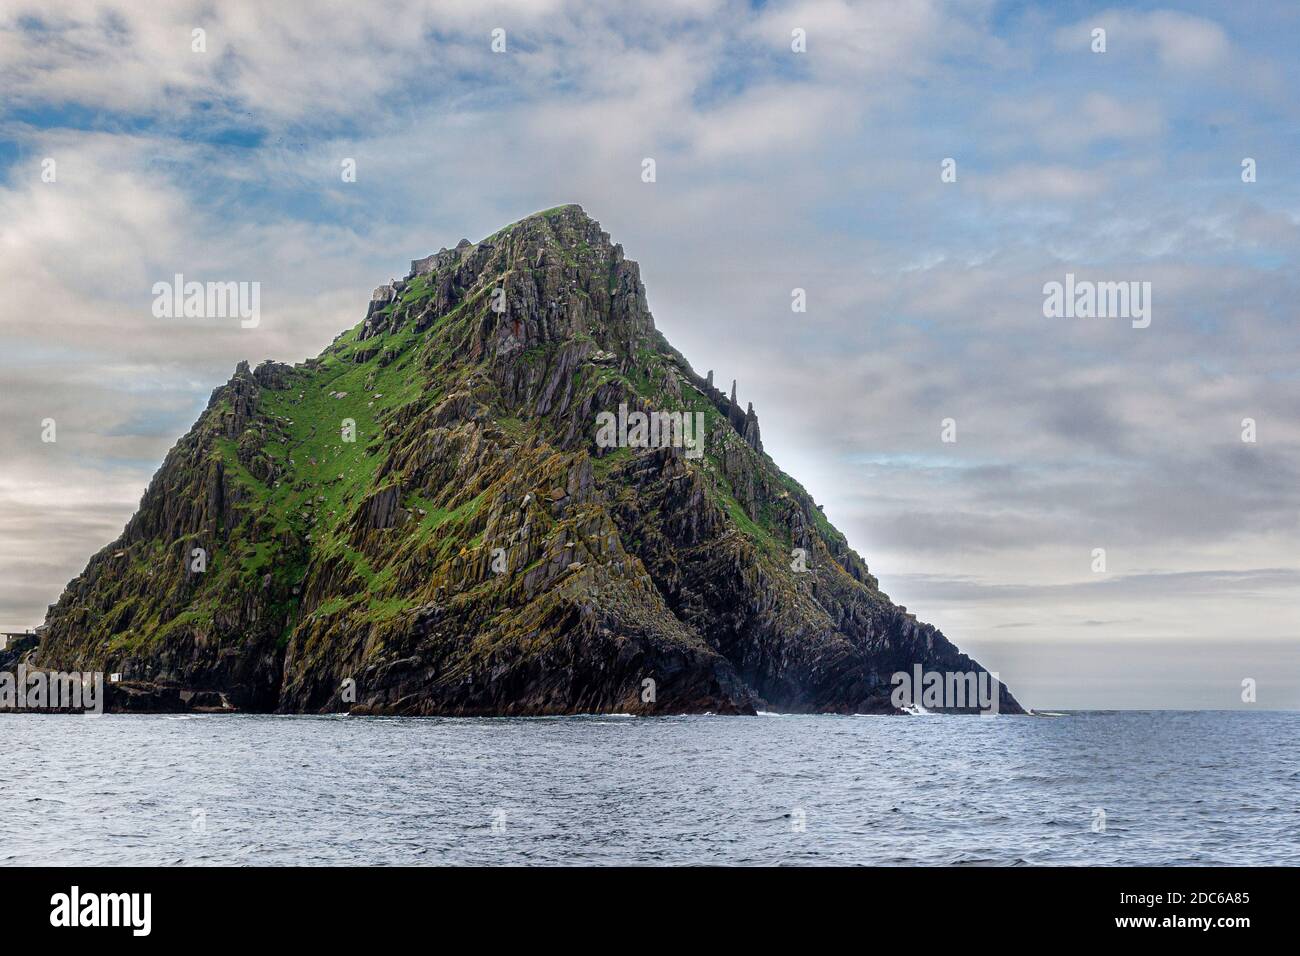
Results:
554 275
425 513
567 226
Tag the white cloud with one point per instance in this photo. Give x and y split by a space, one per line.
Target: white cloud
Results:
1030 183
1180 41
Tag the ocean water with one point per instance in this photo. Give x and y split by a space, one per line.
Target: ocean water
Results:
1176 788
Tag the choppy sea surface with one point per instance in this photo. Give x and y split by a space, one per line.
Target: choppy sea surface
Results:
1175 788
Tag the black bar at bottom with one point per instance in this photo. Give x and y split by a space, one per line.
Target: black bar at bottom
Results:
647 906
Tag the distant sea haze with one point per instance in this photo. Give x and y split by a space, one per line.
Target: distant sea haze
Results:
1085 788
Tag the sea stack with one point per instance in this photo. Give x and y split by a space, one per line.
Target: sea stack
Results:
421 521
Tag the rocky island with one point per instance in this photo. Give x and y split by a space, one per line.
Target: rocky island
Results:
421 521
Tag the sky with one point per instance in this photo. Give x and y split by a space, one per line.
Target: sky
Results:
920 169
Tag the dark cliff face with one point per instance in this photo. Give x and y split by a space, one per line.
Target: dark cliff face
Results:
423 520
